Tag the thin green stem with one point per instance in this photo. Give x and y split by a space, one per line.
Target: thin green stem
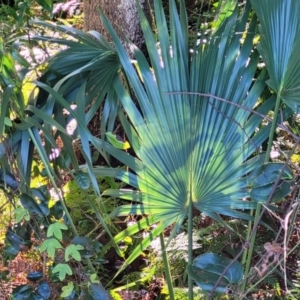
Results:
190 248
244 258
259 206
167 267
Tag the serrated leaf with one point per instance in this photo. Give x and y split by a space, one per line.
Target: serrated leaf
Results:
55 230
72 250
21 213
67 290
50 245
117 141
62 270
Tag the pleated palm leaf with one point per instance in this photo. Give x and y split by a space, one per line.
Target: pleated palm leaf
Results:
191 129
279 46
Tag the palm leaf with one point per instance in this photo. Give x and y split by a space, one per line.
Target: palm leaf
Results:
191 138
280 41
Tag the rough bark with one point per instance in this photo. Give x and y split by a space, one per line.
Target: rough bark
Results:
121 13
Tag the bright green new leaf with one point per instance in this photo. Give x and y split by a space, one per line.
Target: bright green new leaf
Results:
21 213
55 230
50 245
67 290
72 250
117 141
62 270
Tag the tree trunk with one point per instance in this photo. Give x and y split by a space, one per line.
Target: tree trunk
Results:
122 14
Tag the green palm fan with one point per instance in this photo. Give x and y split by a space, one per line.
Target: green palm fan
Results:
191 148
279 46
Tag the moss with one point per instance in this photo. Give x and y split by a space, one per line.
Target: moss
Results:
295 158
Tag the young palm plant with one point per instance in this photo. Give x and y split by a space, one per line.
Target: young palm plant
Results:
191 129
188 116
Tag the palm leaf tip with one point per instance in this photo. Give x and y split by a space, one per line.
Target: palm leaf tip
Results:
280 41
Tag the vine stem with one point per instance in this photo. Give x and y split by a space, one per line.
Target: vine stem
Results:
50 176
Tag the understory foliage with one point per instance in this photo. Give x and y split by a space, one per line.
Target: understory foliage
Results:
195 122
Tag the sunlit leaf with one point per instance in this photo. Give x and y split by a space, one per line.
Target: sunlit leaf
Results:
55 230
67 289
63 270
50 245
117 141
72 250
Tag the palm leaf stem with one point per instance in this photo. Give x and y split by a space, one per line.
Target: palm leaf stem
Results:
259 206
167 267
190 248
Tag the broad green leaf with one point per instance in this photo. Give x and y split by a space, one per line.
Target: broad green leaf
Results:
14 240
98 291
50 245
207 268
62 270
22 292
269 173
35 276
262 179
262 193
117 141
44 290
67 289
82 179
72 250
8 179
55 230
